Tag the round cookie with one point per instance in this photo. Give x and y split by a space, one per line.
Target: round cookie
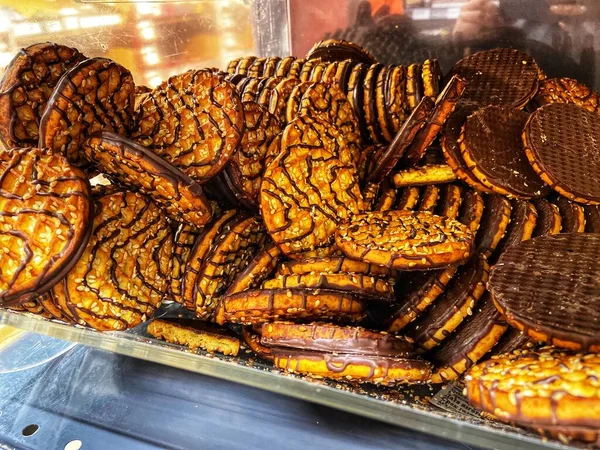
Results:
270 67
387 199
369 107
97 94
45 221
471 210
470 343
339 264
494 223
183 242
244 65
194 120
432 77
395 98
260 306
317 72
280 97
561 143
451 201
572 214
27 84
259 269
255 69
123 274
306 71
309 189
521 226
547 287
501 76
592 218
380 107
265 90
414 86
292 108
549 220
429 198
355 96
405 240
249 91
492 149
424 175
567 90
284 65
296 67
252 341
332 50
456 303
511 340
408 199
141 169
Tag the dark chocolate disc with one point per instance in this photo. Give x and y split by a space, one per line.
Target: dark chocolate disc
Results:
97 94
549 287
549 220
492 148
592 218
572 214
45 221
495 220
331 50
27 84
562 142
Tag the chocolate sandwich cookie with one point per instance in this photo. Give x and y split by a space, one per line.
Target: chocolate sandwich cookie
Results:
265 305
259 269
183 241
567 90
451 198
477 335
195 335
561 143
453 306
386 200
351 367
549 220
45 221
292 108
444 106
332 50
408 198
543 390
141 169
471 210
309 188
547 286
280 97
195 121
521 226
255 70
502 77
327 102
414 85
365 287
265 89
97 94
247 165
429 198
329 338
405 239
492 149
424 175
252 341
296 67
230 253
592 218
27 84
334 265
432 77
270 66
369 105
513 339
572 214
395 97
451 148
494 223
123 274
283 67
415 291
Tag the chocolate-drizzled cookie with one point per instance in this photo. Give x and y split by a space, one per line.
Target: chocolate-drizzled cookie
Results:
567 90
331 50
26 86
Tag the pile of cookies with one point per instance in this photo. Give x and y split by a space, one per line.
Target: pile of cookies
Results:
342 218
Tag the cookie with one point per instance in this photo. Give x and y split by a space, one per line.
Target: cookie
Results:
369 107
45 221
356 95
572 215
414 85
231 252
255 69
405 239
123 274
429 198
521 226
409 198
451 198
453 306
342 74
492 149
471 210
543 389
431 75
97 94
387 199
247 165
592 218
265 89
363 286
561 144
306 71
259 269
420 176
232 65
546 286
501 77
317 73
195 335
309 188
494 223
351 367
380 107
195 121
284 65
260 306
513 339
183 241
478 334
395 98
252 341
270 66
244 64
332 50
567 90
549 220
27 84
444 106
292 108
296 67
280 97
140 169
334 265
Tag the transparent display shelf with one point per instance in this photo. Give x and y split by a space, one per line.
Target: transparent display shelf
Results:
440 412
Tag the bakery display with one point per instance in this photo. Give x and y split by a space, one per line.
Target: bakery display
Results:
338 217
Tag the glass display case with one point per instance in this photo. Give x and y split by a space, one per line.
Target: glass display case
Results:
161 38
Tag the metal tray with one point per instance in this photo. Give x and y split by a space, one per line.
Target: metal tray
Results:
442 413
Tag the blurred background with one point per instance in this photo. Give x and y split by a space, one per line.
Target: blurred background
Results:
158 39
